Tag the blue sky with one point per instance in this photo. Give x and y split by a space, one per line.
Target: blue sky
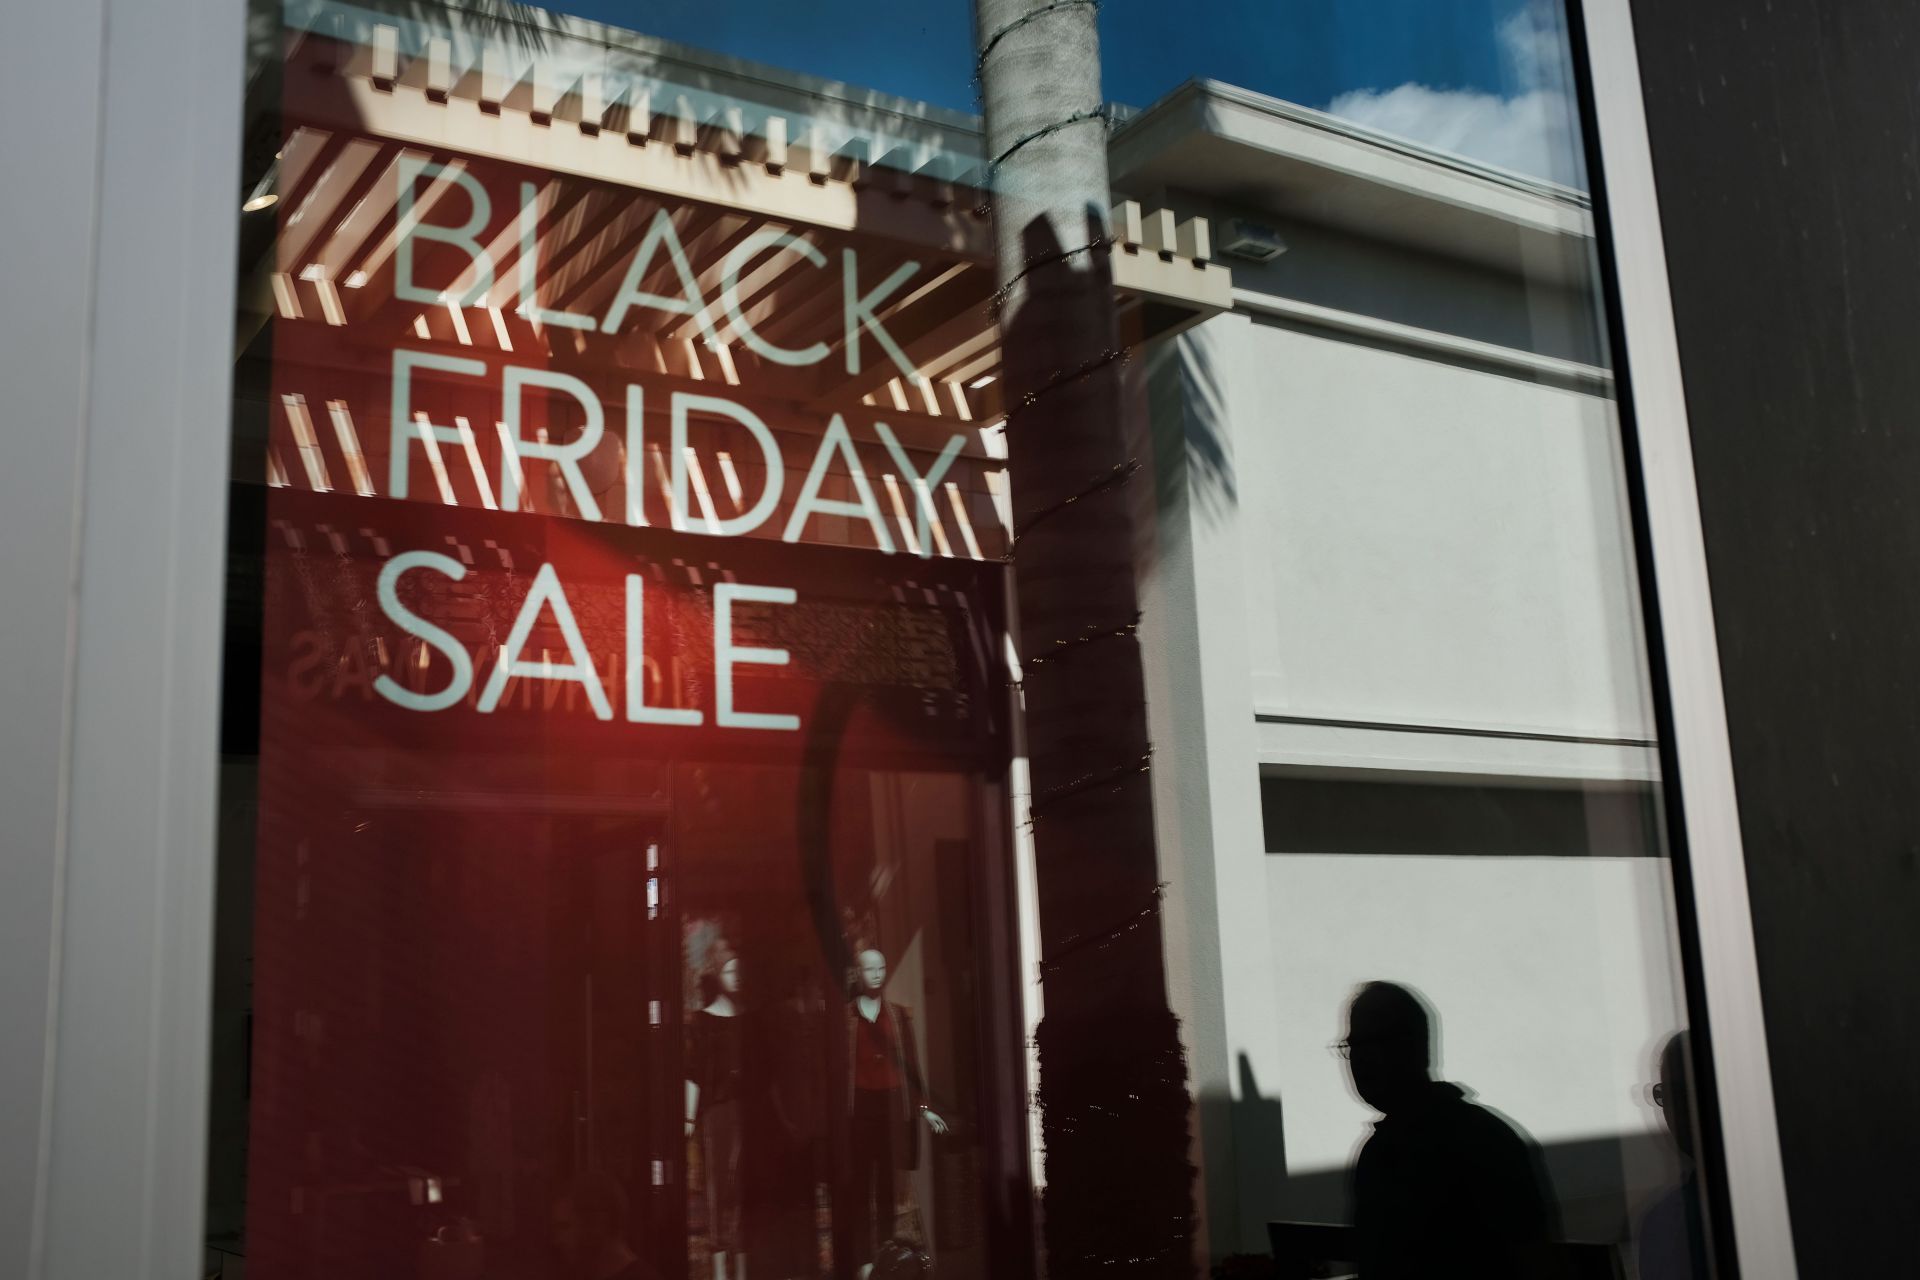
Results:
1476 63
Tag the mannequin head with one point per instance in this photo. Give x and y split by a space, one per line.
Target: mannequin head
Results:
872 971
721 975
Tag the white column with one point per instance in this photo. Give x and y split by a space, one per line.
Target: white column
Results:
122 204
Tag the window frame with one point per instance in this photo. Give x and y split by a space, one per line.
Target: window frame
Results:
123 852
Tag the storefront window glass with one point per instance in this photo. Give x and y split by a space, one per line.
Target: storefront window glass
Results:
821 685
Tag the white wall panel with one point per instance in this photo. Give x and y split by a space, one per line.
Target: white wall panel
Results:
1437 545
1552 981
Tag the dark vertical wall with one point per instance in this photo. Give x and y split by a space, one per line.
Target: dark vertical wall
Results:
1786 146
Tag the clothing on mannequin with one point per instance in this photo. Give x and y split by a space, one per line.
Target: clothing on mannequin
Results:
886 1108
716 1096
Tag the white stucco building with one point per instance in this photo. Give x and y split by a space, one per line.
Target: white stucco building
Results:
1401 706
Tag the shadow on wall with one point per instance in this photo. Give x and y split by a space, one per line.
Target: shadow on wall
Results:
1253 1124
1436 1165
1186 407
1590 1182
1112 1081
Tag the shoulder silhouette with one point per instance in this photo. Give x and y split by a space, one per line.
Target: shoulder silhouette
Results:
1444 1186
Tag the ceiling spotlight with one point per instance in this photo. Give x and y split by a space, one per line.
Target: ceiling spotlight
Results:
263 195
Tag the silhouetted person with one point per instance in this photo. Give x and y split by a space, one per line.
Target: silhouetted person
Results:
1668 1243
590 1231
1443 1187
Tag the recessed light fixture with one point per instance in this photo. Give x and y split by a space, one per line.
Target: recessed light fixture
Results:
981 381
1253 241
263 195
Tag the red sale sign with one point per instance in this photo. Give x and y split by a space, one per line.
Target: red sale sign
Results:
633 880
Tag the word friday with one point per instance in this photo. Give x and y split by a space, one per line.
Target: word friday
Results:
410 429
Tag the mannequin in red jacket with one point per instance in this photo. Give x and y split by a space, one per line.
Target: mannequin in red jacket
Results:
886 1105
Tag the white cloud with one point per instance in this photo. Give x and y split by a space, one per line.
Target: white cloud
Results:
1533 43
1533 130
1526 133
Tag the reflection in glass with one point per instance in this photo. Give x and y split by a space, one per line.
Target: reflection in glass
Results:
819 682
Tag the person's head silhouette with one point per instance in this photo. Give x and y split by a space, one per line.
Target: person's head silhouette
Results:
1389 1045
1443 1186
1674 1094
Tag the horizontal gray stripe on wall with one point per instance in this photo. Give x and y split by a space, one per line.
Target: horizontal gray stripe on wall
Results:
1390 726
1337 815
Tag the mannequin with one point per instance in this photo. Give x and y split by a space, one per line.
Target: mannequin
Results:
886 1105
715 1098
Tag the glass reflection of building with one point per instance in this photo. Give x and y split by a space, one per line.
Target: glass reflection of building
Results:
1390 579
